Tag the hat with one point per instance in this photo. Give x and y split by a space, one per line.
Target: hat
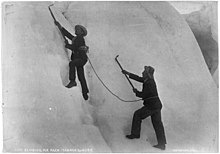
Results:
150 71
82 28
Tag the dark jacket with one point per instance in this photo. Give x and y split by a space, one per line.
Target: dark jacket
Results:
149 92
77 42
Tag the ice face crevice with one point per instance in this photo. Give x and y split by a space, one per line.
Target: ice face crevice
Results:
202 19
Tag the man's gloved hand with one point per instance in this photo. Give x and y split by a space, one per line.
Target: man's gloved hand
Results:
125 72
55 22
135 90
66 42
58 24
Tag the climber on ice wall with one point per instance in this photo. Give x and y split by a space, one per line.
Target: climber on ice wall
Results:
152 106
78 57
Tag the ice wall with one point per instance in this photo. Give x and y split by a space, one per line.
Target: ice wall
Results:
202 17
216 77
204 24
148 33
40 114
186 7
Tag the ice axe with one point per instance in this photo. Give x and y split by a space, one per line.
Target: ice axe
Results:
122 70
60 28
51 12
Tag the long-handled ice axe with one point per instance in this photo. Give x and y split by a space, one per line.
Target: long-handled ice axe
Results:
51 12
122 70
59 27
56 21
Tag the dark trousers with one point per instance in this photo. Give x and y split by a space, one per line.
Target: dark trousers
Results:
143 113
78 64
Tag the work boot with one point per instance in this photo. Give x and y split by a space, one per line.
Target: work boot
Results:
71 84
132 136
85 96
160 146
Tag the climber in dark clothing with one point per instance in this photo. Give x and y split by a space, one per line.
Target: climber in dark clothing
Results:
152 107
78 57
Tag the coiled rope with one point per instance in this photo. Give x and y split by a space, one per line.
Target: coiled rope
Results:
108 88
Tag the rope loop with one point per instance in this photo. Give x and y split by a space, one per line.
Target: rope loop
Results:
108 88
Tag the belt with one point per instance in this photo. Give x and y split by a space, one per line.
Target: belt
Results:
150 98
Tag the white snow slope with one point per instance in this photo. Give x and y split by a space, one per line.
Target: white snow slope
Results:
202 17
41 114
204 26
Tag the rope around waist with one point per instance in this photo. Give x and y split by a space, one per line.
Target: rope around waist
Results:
150 98
114 93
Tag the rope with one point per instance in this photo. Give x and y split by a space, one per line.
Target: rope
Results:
109 89
93 67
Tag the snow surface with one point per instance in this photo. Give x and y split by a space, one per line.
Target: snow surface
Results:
186 7
216 77
202 18
40 113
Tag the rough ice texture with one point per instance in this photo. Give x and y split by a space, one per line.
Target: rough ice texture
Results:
204 26
216 77
39 112
186 7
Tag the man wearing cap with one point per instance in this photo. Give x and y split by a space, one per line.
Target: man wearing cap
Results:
78 57
152 106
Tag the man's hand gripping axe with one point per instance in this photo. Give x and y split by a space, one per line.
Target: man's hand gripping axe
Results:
122 70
